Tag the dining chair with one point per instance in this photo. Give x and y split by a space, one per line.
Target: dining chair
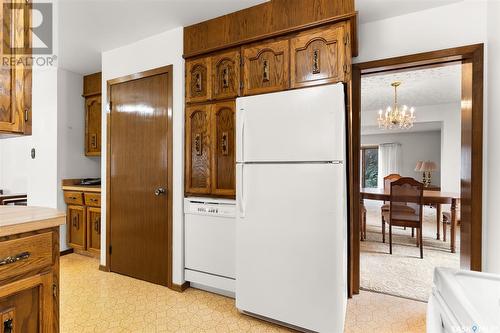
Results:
406 191
362 221
447 220
386 206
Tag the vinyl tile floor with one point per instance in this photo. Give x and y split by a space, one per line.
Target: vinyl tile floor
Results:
95 301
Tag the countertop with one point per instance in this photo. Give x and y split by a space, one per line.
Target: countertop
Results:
82 188
20 219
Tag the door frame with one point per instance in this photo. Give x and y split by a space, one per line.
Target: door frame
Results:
471 57
148 73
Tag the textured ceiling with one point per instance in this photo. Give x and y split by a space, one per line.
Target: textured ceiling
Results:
419 87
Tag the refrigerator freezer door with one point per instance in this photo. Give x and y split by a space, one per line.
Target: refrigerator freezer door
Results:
291 244
297 125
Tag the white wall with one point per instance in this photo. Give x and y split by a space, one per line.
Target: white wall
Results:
157 51
492 151
72 162
459 24
449 117
415 146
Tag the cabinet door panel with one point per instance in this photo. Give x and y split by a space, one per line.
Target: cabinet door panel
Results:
15 74
198 75
224 160
27 305
265 67
319 56
226 75
76 227
93 126
198 153
93 229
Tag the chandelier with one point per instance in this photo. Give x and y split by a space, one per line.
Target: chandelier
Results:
396 116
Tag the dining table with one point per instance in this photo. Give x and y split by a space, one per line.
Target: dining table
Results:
430 197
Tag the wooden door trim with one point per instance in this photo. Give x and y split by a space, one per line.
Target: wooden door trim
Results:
472 58
136 76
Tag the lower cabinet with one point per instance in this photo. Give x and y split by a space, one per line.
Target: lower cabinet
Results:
84 222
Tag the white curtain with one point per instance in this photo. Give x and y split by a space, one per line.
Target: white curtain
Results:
389 161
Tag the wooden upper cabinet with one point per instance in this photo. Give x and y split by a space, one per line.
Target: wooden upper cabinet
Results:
93 126
320 56
265 67
198 77
224 159
198 155
226 75
15 76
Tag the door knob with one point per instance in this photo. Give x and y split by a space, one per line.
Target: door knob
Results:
159 191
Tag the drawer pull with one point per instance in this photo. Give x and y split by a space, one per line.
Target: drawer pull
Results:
16 258
93 200
72 198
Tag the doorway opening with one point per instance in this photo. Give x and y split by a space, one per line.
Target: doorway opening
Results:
441 201
139 176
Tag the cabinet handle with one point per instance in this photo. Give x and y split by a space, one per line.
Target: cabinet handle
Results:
54 290
76 222
97 225
315 66
198 144
16 258
93 141
225 77
197 85
224 144
265 71
72 198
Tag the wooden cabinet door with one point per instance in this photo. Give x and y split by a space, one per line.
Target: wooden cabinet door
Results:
27 305
265 67
224 159
226 75
94 229
320 56
198 76
15 74
93 126
76 227
198 153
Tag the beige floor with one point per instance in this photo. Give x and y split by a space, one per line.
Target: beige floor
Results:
94 301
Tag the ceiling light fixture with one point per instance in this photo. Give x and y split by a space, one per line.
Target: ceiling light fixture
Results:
396 116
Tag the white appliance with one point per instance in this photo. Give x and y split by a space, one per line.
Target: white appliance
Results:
210 237
291 239
464 301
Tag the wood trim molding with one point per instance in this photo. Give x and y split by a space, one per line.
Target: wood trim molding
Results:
103 268
180 287
472 58
66 252
157 71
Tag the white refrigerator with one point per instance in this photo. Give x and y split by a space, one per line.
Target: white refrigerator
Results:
291 230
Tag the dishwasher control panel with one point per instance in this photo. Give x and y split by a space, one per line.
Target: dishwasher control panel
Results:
221 208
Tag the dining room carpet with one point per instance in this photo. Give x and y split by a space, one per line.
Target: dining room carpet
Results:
403 273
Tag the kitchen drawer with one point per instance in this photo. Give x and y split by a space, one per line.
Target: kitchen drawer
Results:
21 255
92 199
73 198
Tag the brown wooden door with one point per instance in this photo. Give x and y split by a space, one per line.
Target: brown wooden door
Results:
27 305
265 67
198 149
226 75
93 126
320 56
94 229
140 190
224 159
15 79
198 77
76 224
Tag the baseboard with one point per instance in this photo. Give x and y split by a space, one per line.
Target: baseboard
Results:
180 287
104 268
66 252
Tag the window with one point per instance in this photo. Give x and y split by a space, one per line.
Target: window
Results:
369 166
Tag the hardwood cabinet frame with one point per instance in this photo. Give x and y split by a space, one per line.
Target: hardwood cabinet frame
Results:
471 59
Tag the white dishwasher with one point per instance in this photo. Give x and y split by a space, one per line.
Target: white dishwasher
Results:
210 244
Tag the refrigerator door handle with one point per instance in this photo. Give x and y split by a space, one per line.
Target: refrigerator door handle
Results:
242 131
241 197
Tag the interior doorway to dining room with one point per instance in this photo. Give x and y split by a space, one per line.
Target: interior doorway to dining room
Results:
414 123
